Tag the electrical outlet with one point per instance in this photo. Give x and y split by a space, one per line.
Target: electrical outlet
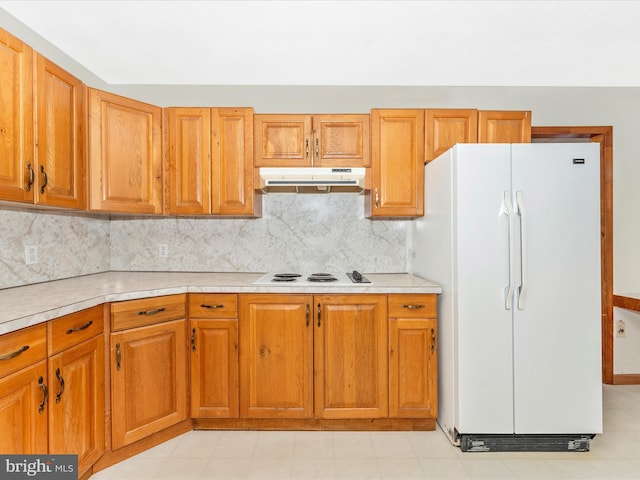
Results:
30 255
621 330
163 250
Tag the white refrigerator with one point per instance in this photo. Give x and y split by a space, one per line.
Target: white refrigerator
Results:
512 233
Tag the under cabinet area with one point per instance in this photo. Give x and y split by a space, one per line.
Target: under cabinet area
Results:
149 373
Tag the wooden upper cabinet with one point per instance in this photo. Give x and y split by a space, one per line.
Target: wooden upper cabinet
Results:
17 164
446 127
311 140
189 166
496 126
232 162
125 156
210 161
282 140
341 140
60 151
397 164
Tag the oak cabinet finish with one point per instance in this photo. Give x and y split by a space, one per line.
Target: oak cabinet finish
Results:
24 391
350 356
497 126
413 373
60 139
311 140
148 374
397 164
276 356
17 163
125 155
214 355
76 376
210 161
446 127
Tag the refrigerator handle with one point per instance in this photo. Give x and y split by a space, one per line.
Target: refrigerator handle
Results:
512 266
522 292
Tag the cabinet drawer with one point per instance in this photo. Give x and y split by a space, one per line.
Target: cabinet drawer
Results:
70 330
147 311
22 348
412 306
213 305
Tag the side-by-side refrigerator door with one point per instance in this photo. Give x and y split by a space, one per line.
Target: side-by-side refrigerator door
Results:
484 232
557 326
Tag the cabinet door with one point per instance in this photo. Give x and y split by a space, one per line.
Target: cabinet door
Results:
495 126
148 380
445 128
60 114
125 157
350 356
17 165
413 376
276 356
341 141
282 141
214 368
76 411
189 161
23 411
397 164
232 161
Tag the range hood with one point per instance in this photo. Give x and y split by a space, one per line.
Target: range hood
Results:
312 179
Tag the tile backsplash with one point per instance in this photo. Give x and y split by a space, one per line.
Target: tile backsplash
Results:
295 233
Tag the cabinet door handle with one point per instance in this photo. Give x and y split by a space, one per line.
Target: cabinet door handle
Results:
306 148
413 307
45 179
213 307
193 339
78 329
152 312
377 198
11 355
308 314
31 177
433 340
318 315
45 394
61 381
317 149
118 356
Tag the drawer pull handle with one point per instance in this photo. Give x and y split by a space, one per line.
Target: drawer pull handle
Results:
212 307
413 307
152 312
61 381
118 356
45 394
11 355
83 327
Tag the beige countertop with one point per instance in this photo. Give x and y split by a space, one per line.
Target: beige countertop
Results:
24 306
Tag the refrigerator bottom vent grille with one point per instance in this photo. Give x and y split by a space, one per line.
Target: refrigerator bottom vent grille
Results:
525 443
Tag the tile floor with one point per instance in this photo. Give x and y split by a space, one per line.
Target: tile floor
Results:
386 455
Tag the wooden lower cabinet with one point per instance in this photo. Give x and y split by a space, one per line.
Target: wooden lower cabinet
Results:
276 356
23 410
76 402
148 380
350 356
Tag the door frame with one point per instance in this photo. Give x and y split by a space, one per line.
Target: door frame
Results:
604 136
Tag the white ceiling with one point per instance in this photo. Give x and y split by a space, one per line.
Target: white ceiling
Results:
553 43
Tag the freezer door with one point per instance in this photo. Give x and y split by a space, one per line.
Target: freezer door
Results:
557 359
481 260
